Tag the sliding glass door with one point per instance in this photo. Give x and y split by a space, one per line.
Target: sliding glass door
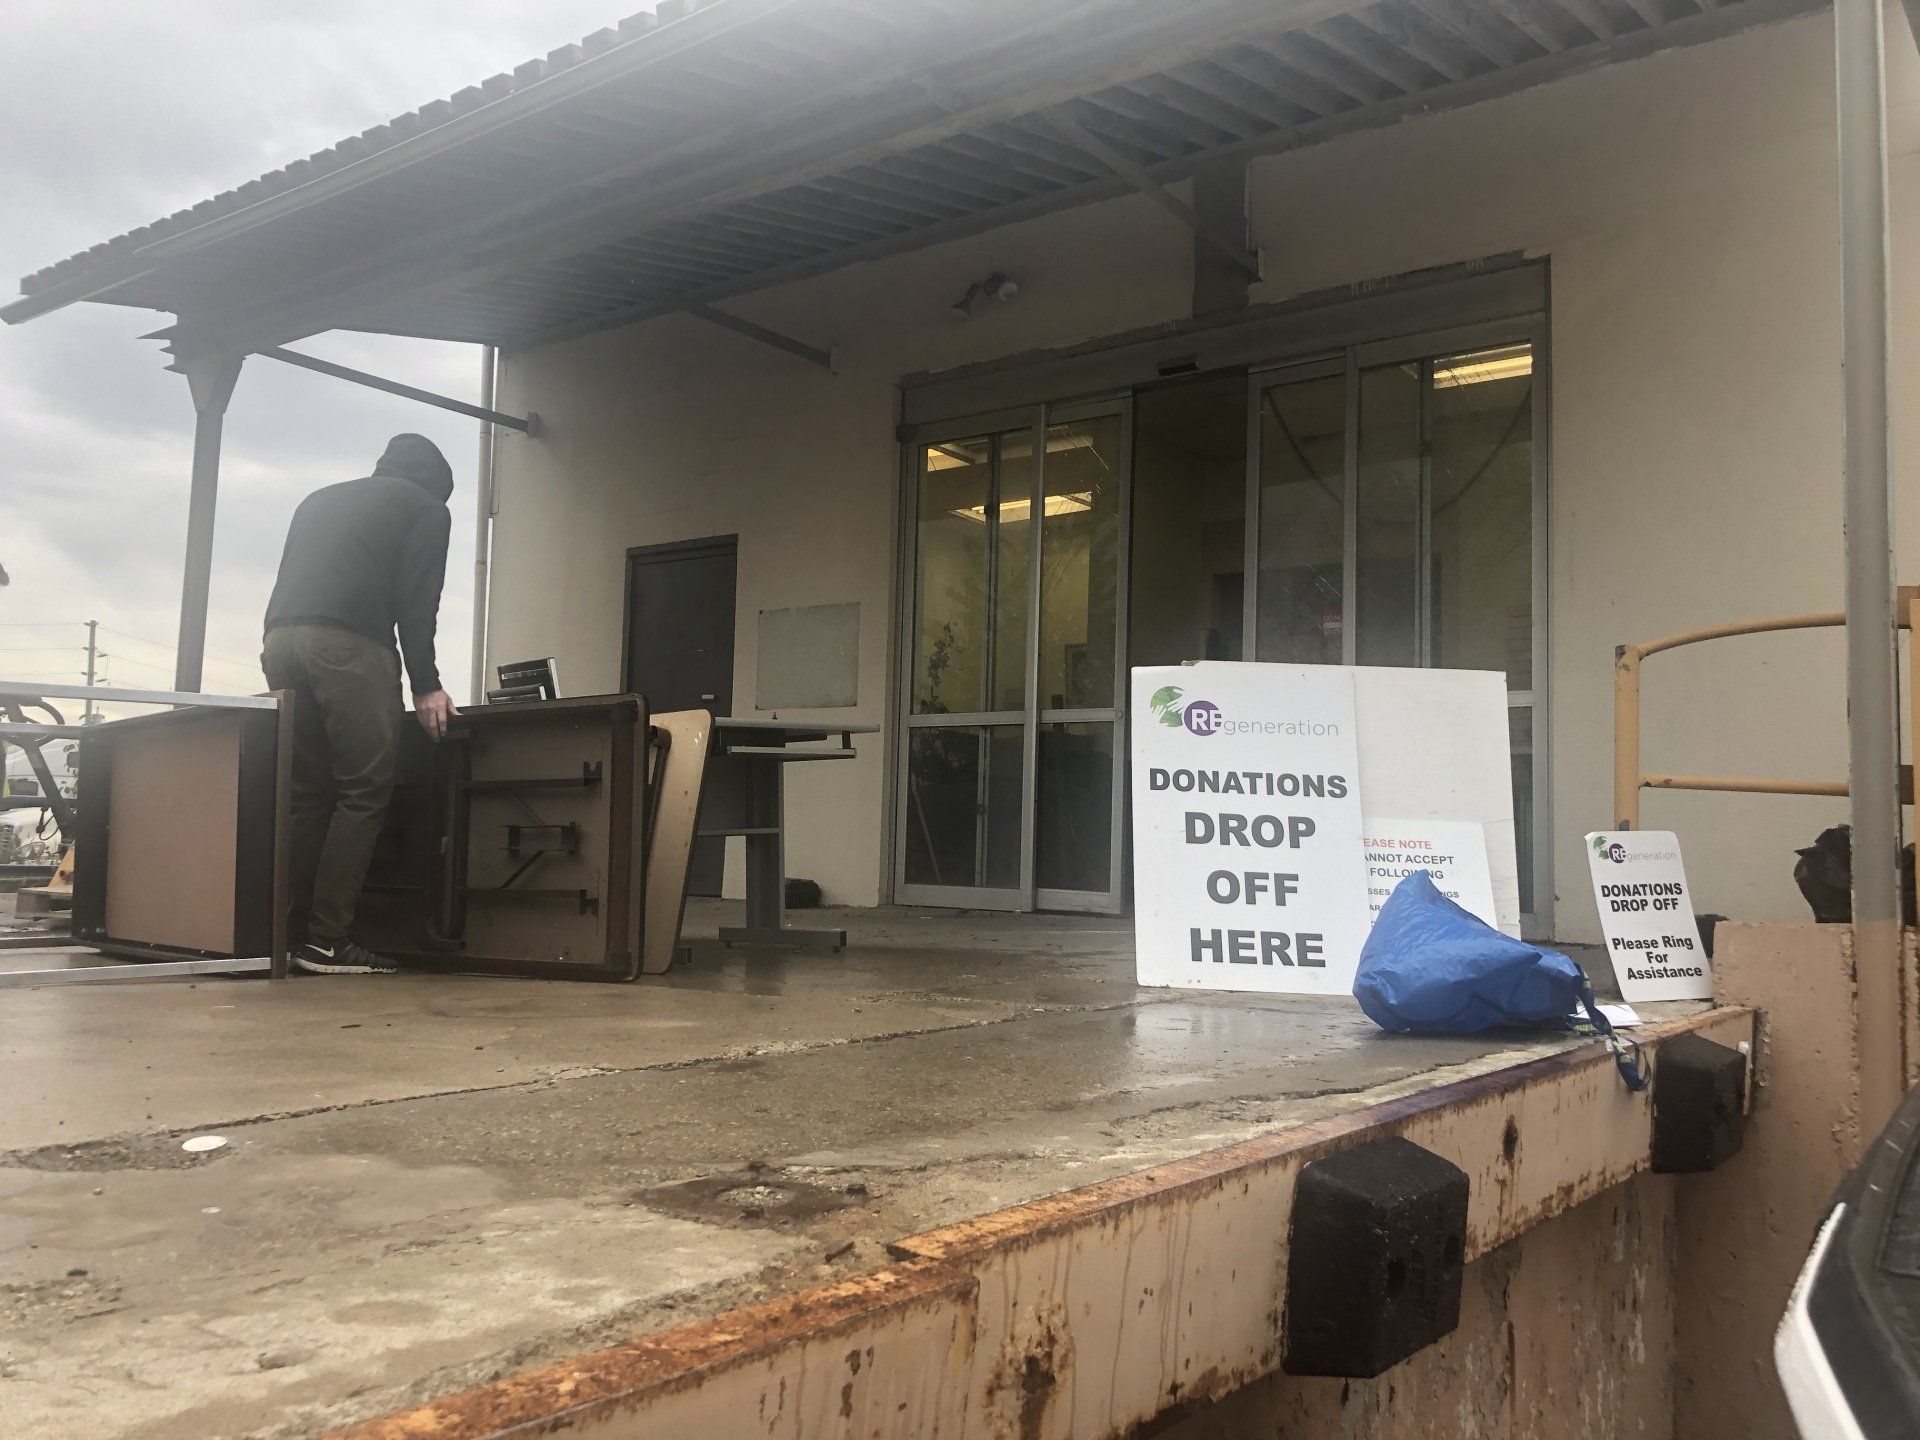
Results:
1383 505
1010 771
1397 514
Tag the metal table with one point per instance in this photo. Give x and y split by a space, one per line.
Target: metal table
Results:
745 794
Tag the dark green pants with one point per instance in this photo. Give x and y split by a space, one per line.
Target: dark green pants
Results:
346 739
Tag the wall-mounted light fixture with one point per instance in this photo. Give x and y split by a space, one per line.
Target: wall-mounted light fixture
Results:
996 286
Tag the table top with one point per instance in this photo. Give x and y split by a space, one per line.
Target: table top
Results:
792 729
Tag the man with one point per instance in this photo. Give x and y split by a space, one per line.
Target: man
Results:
363 558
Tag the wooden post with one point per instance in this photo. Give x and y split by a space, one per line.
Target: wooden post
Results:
1626 737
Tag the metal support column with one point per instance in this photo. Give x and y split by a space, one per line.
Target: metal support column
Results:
483 528
1872 666
211 382
93 662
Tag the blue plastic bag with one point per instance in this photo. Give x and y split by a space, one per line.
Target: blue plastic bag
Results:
1432 968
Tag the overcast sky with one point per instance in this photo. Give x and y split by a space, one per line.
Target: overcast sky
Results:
116 112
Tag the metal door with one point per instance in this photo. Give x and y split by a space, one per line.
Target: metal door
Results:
679 647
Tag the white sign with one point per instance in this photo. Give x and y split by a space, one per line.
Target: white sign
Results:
1454 852
1646 915
1248 865
1434 746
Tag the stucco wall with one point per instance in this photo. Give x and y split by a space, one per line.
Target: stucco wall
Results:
1686 205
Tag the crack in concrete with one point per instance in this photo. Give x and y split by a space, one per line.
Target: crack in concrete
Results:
111 1153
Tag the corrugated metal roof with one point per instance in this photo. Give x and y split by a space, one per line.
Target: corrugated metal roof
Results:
396 131
711 149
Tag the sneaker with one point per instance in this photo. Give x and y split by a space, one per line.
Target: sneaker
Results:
341 957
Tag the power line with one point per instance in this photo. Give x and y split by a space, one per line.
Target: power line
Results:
137 661
173 649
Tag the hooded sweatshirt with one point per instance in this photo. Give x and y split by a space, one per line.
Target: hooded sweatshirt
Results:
370 556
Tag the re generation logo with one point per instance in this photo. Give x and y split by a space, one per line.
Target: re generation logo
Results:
1173 709
1200 717
1616 852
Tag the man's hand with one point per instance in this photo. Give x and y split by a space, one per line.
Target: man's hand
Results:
435 711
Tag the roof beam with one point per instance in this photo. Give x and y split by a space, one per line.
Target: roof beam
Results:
1221 242
529 426
826 359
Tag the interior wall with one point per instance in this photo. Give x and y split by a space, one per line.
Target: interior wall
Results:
1686 203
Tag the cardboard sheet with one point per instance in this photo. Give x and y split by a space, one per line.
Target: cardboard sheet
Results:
173 817
676 811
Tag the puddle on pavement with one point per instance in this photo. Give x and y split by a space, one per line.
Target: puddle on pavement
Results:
751 1197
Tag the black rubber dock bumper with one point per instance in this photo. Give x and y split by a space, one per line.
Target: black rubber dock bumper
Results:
1699 1106
1375 1258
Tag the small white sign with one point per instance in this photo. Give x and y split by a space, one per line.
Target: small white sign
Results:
1454 852
1248 870
1647 916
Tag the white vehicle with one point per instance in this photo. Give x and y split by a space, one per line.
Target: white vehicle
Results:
1848 1350
30 835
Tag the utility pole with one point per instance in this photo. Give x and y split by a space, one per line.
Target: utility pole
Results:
93 657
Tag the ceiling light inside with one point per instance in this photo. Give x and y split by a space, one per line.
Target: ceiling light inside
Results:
1020 509
1511 363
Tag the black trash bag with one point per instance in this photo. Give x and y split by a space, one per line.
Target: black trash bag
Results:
1824 873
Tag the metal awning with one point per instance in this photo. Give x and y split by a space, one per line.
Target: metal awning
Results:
715 149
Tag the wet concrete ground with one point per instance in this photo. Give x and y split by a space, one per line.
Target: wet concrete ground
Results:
432 1180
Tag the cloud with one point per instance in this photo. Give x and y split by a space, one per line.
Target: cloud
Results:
129 110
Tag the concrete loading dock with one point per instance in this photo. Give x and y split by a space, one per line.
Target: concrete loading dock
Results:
431 1182
1450 205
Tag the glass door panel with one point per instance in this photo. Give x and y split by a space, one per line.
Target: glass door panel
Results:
1302 517
1082 545
970 602
1018 536
1188 580
964 789
1482 513
1393 492
964 802
1079 568
1074 833
1388 516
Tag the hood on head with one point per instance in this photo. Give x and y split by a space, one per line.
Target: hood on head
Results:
416 458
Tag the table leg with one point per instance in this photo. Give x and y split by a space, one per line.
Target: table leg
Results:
767 866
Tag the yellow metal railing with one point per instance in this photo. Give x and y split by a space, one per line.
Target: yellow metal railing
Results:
1629 779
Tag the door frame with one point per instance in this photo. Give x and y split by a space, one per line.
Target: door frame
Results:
1027 895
